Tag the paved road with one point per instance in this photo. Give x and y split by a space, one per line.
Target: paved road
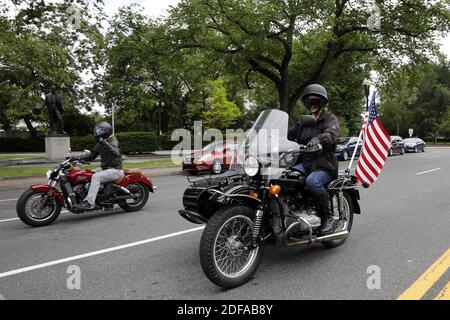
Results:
404 229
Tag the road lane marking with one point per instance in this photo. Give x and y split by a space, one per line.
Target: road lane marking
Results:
6 220
95 253
417 174
418 289
444 294
5 200
13 219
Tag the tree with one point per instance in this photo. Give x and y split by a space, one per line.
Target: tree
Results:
220 113
293 43
417 96
40 48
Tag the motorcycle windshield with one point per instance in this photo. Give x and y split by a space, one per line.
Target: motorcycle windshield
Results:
267 140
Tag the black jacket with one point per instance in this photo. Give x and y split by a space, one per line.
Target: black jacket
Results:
109 151
327 130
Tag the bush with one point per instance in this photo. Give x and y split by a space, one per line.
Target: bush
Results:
82 143
130 142
34 144
137 142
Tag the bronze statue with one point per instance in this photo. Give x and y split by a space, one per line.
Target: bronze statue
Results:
55 108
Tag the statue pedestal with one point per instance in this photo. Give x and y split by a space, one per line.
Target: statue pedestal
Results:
56 147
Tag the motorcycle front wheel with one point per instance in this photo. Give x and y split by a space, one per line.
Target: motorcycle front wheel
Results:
36 209
224 256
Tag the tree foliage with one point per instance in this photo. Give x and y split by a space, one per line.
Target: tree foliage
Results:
293 43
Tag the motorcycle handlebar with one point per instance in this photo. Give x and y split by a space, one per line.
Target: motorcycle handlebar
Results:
305 149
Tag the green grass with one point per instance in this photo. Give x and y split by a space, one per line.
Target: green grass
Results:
31 171
15 156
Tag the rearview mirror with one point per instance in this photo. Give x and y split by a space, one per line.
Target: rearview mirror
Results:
307 122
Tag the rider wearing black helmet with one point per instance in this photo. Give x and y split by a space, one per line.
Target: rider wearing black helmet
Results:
321 168
111 162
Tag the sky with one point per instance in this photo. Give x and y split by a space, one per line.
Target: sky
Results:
151 7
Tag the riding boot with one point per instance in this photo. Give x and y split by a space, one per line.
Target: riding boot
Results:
323 206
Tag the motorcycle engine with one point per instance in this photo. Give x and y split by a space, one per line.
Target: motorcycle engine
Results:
81 191
304 217
310 216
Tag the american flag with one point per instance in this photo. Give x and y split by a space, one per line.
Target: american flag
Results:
375 149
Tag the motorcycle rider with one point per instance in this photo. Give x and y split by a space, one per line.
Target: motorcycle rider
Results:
320 168
111 162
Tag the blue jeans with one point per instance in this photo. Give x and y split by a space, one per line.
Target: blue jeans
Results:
315 181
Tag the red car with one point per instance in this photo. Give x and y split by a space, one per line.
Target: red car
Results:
215 158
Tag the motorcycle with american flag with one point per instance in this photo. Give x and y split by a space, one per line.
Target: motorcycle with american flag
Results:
261 200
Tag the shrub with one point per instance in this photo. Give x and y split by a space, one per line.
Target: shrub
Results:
130 142
34 144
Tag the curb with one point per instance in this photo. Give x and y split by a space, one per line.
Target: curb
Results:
12 184
142 169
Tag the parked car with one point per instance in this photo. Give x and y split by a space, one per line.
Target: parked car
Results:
414 145
346 146
215 158
397 146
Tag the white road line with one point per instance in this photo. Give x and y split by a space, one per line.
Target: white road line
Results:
9 200
417 174
6 220
13 219
94 253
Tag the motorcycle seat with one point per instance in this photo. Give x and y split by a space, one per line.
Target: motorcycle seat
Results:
128 171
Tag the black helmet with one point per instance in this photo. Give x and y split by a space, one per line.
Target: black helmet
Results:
314 90
103 130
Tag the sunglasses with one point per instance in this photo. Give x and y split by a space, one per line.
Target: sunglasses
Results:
309 102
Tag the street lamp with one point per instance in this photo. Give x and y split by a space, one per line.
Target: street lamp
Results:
366 85
160 110
113 107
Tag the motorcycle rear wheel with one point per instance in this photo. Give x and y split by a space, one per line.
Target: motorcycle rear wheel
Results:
28 211
138 204
341 225
223 256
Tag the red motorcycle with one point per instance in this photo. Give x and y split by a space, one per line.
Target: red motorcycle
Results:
68 185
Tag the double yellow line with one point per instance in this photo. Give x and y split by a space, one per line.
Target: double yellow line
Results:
419 288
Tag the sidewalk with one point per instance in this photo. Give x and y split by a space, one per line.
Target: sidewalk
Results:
23 183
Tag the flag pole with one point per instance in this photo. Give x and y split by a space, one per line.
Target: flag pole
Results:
366 84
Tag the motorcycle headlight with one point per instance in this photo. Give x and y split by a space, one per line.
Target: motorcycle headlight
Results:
251 166
49 174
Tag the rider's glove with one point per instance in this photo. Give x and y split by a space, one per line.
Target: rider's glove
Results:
313 143
102 141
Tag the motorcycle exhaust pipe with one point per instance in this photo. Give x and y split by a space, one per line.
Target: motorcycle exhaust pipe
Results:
334 236
125 197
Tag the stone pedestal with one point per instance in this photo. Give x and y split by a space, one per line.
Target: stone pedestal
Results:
56 147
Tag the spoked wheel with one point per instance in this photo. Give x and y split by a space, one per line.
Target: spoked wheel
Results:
36 209
141 192
341 223
224 254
